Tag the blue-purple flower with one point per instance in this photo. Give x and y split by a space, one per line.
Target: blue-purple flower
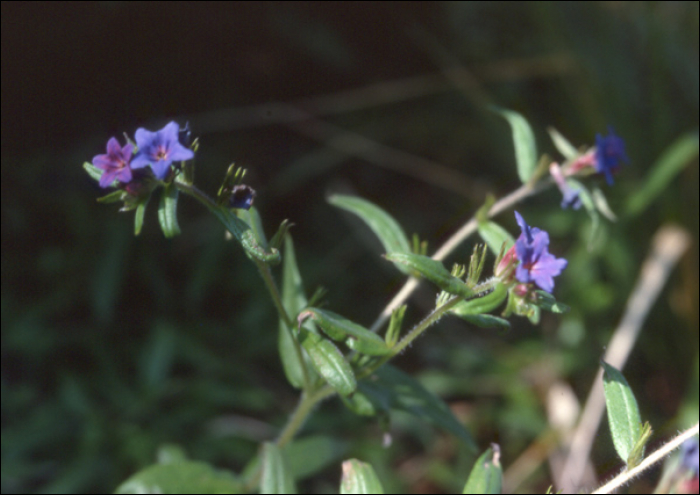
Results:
536 263
159 149
115 164
609 151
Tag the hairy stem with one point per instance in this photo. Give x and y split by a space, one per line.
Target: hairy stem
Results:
651 459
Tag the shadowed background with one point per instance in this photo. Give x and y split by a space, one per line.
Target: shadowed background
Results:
113 345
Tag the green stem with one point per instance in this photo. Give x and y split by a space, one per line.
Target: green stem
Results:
306 404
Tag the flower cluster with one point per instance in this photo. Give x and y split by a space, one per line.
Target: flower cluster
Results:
157 150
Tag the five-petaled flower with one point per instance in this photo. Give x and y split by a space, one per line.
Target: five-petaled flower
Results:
536 263
609 151
115 164
159 149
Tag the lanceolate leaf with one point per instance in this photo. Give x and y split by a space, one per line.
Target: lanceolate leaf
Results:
487 474
389 388
359 477
294 300
562 144
623 413
433 271
276 477
524 142
382 224
329 362
167 211
342 329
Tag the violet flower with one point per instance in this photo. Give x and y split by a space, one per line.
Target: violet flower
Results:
536 263
115 164
609 151
159 149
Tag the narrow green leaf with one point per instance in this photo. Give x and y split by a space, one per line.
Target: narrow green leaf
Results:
433 271
494 236
276 477
181 477
390 388
623 413
341 329
167 211
524 142
329 362
139 215
382 224
672 162
562 144
483 304
394 330
487 474
293 300
359 477
93 171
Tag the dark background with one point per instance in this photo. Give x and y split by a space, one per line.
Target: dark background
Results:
113 345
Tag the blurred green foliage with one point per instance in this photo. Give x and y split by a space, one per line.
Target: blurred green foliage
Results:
113 346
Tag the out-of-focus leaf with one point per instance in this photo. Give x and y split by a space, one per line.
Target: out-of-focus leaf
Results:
93 171
623 413
382 224
360 404
359 477
487 474
276 477
494 236
139 215
341 329
167 211
524 142
309 455
433 271
562 144
181 477
665 169
390 388
329 362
